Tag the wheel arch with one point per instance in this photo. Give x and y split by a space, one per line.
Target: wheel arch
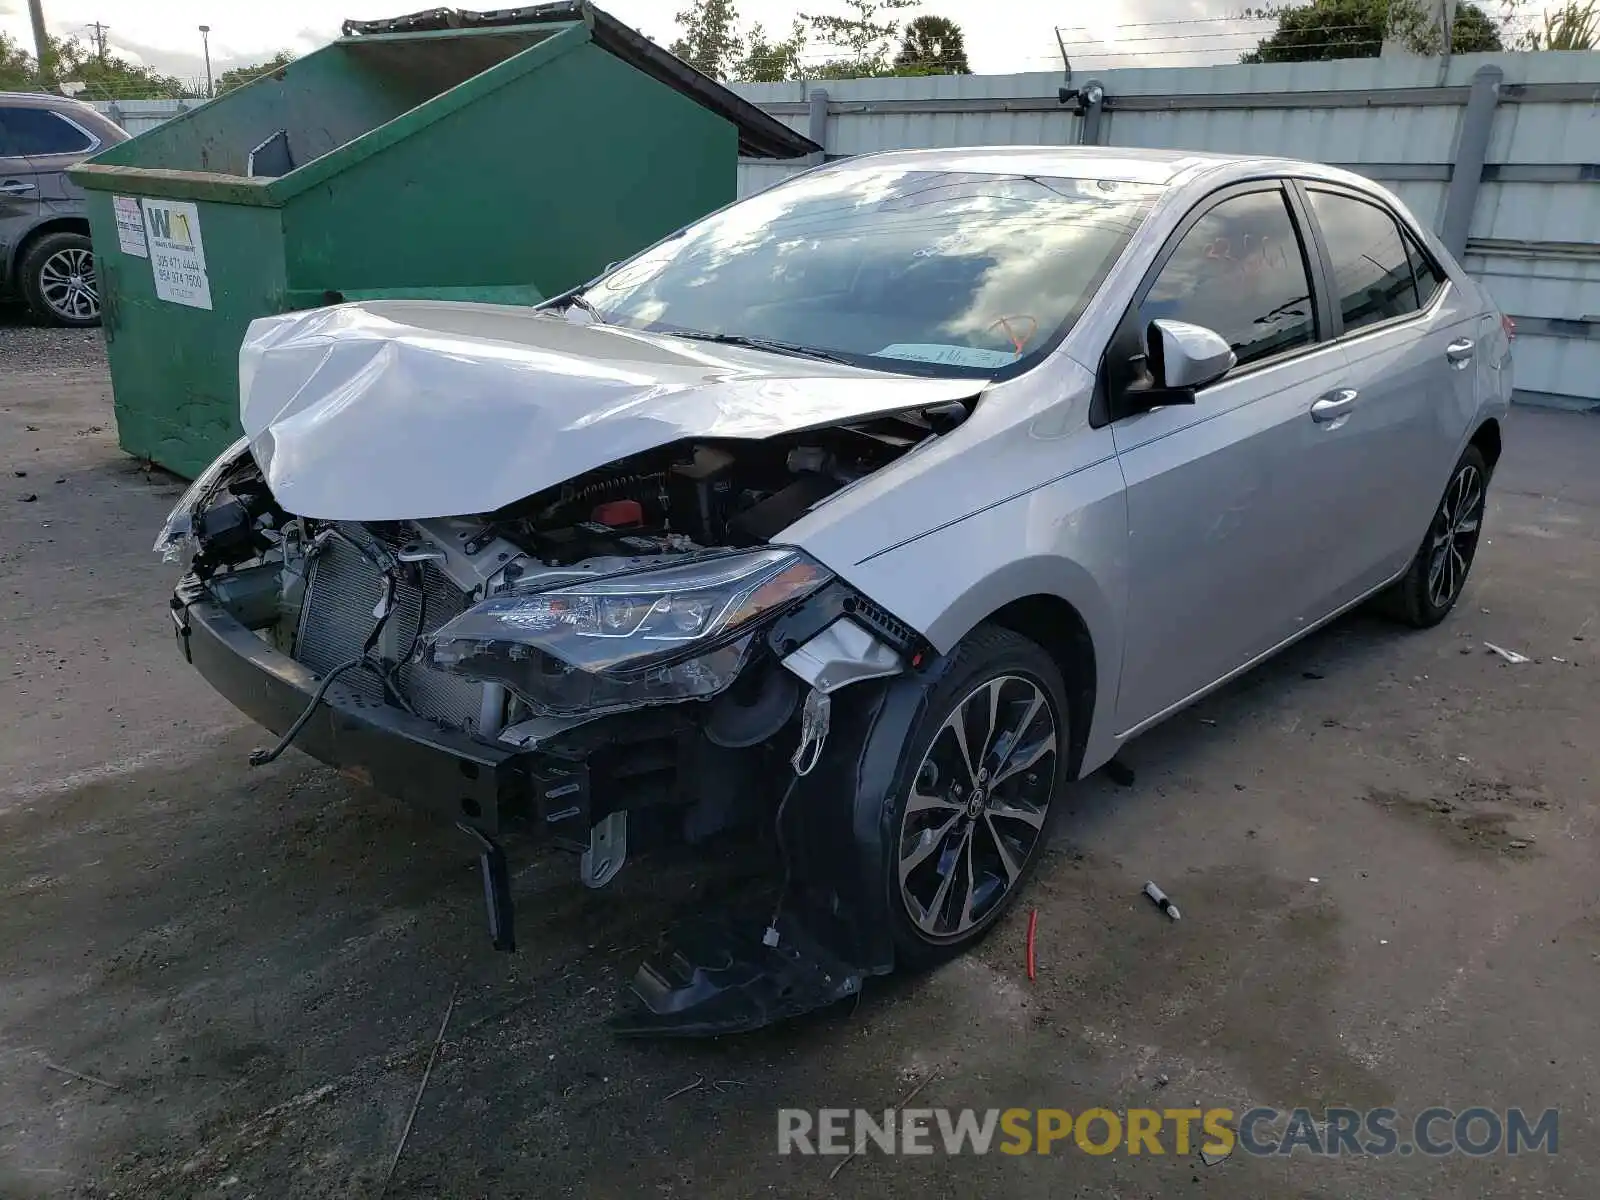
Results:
43 229
1487 439
1059 629
1057 603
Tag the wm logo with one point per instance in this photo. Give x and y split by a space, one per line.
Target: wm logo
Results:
163 223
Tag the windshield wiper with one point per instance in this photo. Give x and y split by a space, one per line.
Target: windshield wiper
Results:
762 343
578 300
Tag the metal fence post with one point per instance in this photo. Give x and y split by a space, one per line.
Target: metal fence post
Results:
1472 147
1093 96
818 130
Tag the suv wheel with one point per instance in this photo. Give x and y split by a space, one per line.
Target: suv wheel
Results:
58 280
979 774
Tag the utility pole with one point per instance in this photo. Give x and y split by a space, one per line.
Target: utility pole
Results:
41 45
100 31
205 40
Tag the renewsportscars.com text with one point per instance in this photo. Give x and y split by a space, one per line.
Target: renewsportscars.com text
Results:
1260 1132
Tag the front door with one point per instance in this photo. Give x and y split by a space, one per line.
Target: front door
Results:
1217 503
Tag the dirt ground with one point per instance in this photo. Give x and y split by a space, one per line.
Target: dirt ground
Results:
224 982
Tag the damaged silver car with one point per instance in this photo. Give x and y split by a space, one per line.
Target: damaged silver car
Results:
874 509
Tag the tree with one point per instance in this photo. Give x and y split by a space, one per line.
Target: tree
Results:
98 76
711 42
865 36
109 77
237 77
1474 31
772 62
713 45
1326 29
16 66
1574 26
932 46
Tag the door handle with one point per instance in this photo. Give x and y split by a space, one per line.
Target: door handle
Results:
1334 405
1459 353
15 187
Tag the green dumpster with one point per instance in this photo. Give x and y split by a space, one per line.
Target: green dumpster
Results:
501 157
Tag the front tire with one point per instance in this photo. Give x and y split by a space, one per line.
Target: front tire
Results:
59 282
969 814
1429 590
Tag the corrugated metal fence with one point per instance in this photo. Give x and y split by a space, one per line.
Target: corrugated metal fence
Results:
137 116
1501 152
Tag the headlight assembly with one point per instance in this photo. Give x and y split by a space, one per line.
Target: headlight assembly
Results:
646 637
177 535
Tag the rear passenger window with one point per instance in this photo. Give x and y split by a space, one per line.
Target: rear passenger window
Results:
1371 265
38 131
1429 277
1240 271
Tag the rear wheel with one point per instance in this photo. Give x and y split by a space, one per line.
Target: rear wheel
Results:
58 280
1430 589
976 784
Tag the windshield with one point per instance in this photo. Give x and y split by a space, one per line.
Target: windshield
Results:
941 272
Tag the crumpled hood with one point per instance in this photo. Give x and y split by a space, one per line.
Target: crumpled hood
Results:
401 409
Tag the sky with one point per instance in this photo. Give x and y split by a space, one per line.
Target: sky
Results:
1002 36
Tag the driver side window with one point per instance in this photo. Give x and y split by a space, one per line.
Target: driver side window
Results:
1240 271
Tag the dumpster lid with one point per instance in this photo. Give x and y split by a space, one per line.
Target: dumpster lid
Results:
760 134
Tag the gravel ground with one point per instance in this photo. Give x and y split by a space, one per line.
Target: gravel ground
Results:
224 983
49 351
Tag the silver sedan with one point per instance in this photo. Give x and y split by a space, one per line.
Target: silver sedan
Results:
879 506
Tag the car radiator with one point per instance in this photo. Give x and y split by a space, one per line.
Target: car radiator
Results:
343 589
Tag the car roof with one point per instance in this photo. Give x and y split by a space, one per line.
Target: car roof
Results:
45 100
90 118
1125 164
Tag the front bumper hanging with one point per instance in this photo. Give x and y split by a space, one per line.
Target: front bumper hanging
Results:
708 976
457 777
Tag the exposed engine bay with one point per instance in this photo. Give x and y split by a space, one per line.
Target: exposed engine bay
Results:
678 499
366 603
705 494
319 589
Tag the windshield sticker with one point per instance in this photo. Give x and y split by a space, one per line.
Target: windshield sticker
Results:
953 356
1020 329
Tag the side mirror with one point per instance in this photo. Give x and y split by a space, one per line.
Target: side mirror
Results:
1183 358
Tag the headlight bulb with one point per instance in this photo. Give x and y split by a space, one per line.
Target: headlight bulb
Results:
617 615
689 613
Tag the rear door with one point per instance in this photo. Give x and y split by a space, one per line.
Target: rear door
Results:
52 141
1217 492
1410 340
19 198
